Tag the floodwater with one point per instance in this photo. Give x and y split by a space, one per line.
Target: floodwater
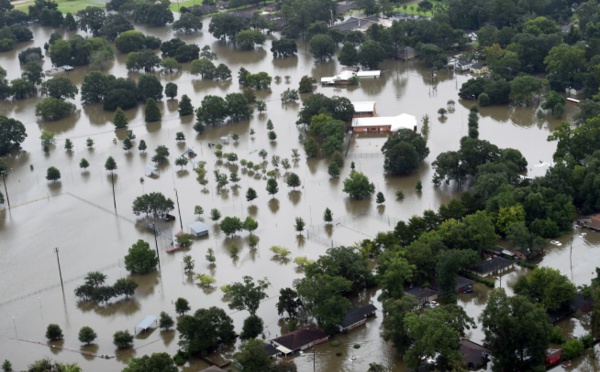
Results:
76 215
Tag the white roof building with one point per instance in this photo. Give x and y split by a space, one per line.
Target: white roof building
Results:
389 123
364 106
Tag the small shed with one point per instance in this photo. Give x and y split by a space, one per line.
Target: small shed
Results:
225 140
198 229
148 322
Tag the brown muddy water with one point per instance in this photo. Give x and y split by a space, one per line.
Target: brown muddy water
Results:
77 216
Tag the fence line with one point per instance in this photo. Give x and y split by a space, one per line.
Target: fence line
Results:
101 208
316 234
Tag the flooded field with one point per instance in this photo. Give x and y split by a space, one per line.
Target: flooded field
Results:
76 215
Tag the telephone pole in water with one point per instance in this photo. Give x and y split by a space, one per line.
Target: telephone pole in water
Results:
59 270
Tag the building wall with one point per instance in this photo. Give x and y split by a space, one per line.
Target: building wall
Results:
374 129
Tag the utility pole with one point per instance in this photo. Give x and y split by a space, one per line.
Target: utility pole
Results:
5 190
59 270
156 242
178 209
112 178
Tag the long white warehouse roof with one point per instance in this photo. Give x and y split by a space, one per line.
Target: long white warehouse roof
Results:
396 122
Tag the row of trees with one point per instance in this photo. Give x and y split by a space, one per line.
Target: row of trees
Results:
115 92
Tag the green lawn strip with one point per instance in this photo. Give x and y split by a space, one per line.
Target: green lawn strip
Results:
65 6
188 3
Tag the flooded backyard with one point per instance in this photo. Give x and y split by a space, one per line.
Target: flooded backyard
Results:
76 215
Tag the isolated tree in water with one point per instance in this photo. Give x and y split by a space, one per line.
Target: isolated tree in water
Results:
120 120
151 111
185 106
53 174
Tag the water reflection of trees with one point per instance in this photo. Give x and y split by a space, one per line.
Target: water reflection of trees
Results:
273 205
120 307
289 63
294 196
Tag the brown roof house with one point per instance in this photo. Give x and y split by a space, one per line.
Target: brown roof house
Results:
357 316
299 340
422 294
493 266
474 355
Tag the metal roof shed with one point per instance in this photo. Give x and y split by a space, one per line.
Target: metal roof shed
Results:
147 322
198 229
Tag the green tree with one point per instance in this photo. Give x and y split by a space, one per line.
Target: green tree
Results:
348 55
87 335
53 174
142 146
151 111
123 339
516 331
53 332
84 164
380 198
306 85
33 73
404 151
231 225
154 362
60 88
247 295
252 356
357 185
299 224
524 87
371 54
187 23
554 102
249 39
284 48
119 119
7 366
171 90
293 180
548 287
185 106
170 65
250 194
205 330
436 333
141 259
215 214
68 145
161 154
322 46
165 321
182 306
288 302
272 187
52 109
395 328
203 67
250 224
12 134
321 295
91 19
328 216
565 65
253 326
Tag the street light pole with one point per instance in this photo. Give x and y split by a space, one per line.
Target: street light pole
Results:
5 190
59 270
178 209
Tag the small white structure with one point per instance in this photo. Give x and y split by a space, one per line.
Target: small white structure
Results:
369 74
384 123
364 109
198 229
151 170
225 140
146 323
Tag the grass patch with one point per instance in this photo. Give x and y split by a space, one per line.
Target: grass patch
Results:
188 3
64 6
